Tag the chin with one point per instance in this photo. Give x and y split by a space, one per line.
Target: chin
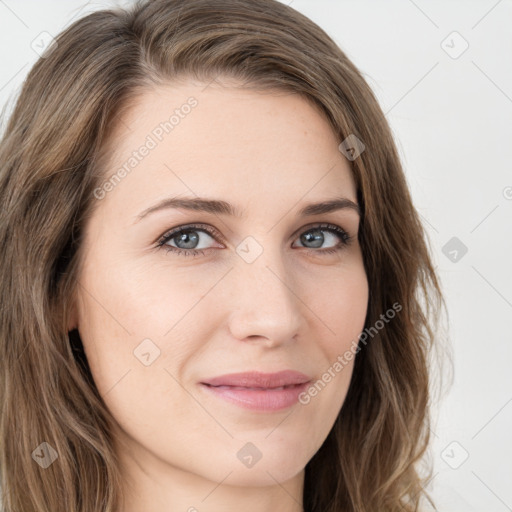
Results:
275 465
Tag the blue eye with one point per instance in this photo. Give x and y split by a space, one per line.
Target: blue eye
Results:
189 235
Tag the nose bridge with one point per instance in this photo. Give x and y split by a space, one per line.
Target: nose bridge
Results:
265 302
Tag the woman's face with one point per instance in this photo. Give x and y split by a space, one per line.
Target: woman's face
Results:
270 291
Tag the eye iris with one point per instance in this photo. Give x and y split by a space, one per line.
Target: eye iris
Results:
318 238
183 238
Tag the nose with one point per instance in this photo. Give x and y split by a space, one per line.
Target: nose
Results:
266 305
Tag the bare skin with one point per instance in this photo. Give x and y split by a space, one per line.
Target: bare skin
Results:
293 306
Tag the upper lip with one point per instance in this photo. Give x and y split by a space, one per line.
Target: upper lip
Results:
259 379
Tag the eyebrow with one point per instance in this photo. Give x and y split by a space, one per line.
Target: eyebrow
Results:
219 207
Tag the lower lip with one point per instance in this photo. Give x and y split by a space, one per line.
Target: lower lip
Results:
259 399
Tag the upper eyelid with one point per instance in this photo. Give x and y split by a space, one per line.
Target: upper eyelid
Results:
210 230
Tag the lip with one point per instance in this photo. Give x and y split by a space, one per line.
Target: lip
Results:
257 390
259 379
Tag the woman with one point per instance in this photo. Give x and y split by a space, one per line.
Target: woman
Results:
282 364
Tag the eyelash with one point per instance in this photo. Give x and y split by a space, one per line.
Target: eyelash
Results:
331 228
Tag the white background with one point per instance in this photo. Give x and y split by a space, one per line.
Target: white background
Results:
452 119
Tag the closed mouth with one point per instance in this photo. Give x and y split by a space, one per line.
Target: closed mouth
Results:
244 388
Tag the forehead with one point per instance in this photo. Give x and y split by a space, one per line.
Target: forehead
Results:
222 140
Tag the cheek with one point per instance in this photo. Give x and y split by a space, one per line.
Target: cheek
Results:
135 300
159 295
342 306
343 311
139 326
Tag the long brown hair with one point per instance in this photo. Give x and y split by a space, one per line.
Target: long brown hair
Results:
50 166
